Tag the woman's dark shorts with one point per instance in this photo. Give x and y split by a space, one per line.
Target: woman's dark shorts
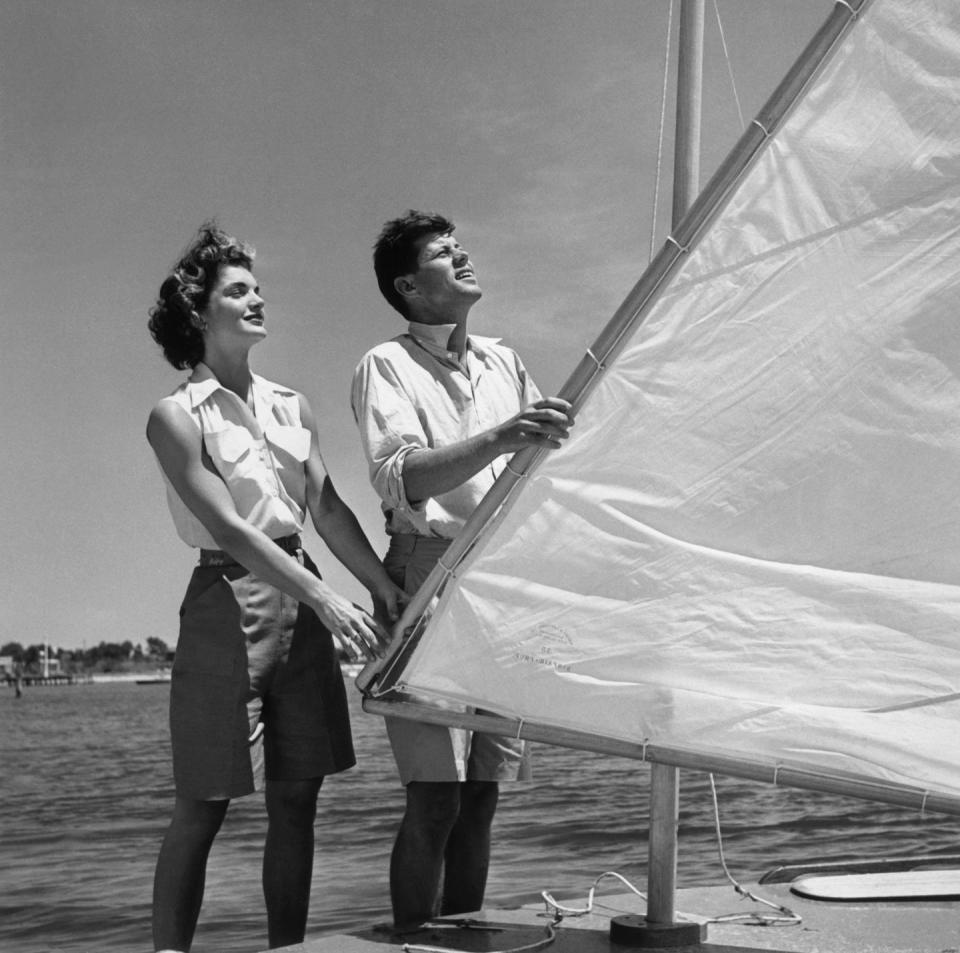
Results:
249 655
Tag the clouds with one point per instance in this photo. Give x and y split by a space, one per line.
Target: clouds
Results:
302 127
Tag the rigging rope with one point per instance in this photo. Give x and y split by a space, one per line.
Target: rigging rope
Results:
783 917
726 59
663 119
557 911
786 916
658 178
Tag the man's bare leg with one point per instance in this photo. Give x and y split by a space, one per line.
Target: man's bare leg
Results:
416 865
467 857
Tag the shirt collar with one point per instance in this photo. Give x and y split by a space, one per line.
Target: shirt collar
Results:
203 382
434 338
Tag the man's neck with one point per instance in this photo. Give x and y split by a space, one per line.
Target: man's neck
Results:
458 337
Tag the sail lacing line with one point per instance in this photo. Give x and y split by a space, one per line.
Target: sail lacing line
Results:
596 360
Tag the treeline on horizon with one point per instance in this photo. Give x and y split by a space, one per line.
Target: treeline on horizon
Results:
105 657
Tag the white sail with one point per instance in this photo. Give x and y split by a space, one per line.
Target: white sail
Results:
750 546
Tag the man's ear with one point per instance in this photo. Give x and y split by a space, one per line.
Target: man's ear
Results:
404 286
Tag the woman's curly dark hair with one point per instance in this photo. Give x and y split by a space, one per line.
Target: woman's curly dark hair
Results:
174 322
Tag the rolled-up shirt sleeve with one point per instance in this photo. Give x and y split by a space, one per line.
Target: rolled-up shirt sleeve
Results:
411 394
390 429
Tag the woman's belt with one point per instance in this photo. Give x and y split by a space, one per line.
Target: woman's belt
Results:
217 557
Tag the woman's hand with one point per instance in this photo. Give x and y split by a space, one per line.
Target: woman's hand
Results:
354 630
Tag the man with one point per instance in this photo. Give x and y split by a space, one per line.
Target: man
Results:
439 413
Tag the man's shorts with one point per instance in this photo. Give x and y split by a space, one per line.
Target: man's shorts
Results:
249 655
433 752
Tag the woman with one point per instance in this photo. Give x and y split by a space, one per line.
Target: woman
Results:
256 670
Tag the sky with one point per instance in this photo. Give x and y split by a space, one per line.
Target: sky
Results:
301 126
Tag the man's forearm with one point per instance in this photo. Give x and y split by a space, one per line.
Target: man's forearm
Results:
428 473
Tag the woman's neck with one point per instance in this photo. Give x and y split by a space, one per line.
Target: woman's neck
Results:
233 374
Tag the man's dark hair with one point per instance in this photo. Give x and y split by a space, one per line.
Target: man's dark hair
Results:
173 320
395 250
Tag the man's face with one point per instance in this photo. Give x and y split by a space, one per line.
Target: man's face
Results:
444 279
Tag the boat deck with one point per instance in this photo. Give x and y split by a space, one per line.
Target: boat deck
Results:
916 926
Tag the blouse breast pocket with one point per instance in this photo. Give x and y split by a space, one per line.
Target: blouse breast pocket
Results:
291 445
232 450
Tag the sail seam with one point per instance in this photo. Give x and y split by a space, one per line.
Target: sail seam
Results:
920 703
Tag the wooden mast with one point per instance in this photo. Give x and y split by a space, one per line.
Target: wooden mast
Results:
664 778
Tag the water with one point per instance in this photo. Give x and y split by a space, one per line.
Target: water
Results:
85 794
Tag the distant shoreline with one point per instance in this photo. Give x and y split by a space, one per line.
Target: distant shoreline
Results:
157 676
349 669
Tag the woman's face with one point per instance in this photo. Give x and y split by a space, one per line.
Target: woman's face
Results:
234 311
